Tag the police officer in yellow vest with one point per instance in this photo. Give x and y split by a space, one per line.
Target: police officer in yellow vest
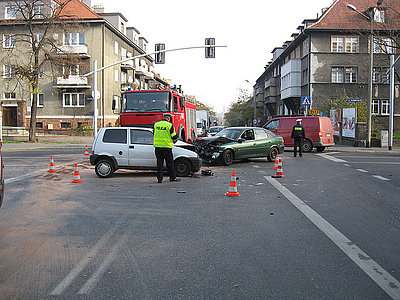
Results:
298 135
164 138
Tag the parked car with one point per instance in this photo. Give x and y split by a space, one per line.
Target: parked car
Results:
239 143
319 131
132 148
214 130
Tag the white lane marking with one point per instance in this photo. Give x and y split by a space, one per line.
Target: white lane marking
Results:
88 286
75 271
35 173
381 177
256 166
331 158
362 170
332 153
386 281
346 165
375 162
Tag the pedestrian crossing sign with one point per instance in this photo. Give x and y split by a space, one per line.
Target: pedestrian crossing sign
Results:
305 101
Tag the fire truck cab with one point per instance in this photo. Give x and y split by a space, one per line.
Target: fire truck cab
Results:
143 108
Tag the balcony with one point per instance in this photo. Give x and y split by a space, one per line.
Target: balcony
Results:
73 81
291 79
81 50
127 65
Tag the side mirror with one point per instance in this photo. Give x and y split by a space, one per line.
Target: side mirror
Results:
241 140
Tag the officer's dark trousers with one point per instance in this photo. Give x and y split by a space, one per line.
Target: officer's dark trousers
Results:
298 143
161 155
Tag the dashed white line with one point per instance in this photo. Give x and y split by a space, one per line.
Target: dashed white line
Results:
88 286
381 277
332 158
381 177
362 170
75 271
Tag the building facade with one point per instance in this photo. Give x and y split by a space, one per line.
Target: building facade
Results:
328 59
65 96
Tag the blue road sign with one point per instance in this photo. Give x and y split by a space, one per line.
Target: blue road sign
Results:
306 101
353 100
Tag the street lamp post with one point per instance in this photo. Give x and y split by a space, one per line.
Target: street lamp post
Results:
255 103
370 75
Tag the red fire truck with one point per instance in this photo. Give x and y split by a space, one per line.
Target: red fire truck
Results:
143 108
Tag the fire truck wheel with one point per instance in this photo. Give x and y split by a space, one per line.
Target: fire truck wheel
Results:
182 167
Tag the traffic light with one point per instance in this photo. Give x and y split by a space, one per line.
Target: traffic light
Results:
160 57
210 51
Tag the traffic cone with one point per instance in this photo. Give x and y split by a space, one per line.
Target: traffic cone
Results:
86 151
52 169
77 177
232 187
279 171
276 162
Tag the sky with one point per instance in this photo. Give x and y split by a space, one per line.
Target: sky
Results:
250 29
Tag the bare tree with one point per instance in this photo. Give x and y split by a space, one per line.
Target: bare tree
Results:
34 48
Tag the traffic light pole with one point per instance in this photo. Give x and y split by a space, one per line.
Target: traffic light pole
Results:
96 94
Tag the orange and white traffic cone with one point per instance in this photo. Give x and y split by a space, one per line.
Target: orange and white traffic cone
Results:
77 177
52 169
232 187
276 162
279 171
86 151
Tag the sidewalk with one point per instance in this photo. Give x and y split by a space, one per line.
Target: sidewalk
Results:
41 146
344 148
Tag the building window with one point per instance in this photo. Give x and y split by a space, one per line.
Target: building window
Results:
379 15
39 11
351 75
116 46
116 75
73 100
375 107
8 41
70 70
384 45
337 74
10 12
337 44
385 107
65 125
8 71
39 98
342 44
123 52
72 39
352 44
39 124
377 77
10 96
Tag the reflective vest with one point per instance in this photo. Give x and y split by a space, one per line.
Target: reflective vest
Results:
162 135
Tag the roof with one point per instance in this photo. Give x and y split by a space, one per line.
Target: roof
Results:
75 9
338 16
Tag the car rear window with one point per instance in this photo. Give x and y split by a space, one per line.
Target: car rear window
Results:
117 136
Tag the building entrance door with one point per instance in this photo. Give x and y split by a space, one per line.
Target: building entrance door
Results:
10 116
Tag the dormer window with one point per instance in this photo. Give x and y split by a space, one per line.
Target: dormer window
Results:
10 12
379 15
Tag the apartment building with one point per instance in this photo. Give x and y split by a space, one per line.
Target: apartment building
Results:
65 99
328 58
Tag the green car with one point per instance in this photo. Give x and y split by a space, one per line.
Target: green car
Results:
239 143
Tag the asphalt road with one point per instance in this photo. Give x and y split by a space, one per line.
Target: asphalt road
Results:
329 229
